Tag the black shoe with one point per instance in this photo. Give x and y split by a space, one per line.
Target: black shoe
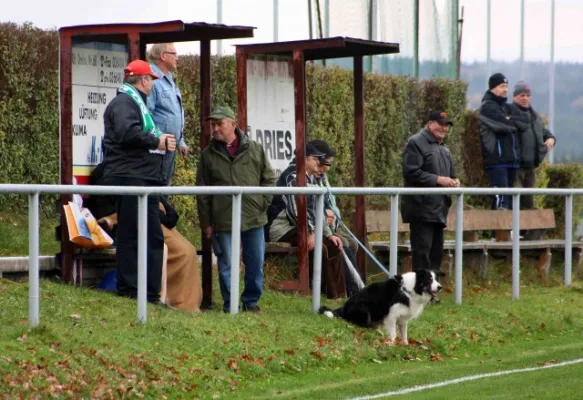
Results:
253 309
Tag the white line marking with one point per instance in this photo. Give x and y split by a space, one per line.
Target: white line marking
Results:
465 379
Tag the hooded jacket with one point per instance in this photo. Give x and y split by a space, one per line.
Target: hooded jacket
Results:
500 147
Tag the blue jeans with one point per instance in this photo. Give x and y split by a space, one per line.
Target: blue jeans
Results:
253 242
501 177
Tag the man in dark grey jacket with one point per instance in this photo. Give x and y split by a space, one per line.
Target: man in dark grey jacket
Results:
535 141
427 162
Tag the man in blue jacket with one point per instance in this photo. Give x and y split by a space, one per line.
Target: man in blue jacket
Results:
165 102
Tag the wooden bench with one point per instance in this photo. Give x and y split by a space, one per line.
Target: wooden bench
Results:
478 251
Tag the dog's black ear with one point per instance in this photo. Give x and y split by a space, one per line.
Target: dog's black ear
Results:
397 278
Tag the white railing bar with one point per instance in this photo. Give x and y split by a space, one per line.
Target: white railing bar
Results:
459 246
231 190
394 234
235 254
317 267
515 246
142 258
33 262
568 238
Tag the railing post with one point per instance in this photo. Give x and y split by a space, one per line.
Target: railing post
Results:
142 257
317 273
394 233
568 238
235 253
33 265
515 246
459 247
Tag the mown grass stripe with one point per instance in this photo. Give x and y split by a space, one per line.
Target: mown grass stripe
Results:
465 379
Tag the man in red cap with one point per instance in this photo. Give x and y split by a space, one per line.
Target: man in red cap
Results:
134 149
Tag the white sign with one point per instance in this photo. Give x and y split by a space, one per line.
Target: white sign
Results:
97 74
270 108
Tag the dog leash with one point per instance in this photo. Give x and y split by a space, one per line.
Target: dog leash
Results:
362 246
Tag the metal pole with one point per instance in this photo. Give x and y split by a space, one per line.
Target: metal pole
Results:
416 38
317 273
33 263
275 20
327 18
515 246
142 257
219 21
522 72
568 238
552 81
459 247
394 233
310 28
488 37
454 38
235 253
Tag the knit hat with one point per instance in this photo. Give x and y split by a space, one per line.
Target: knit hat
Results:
521 87
496 79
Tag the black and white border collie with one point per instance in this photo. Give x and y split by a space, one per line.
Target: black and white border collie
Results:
391 303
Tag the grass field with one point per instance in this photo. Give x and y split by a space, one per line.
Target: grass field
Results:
89 345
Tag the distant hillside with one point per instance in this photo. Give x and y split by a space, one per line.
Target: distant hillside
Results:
568 98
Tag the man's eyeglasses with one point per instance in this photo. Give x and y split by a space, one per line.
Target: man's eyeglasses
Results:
170 52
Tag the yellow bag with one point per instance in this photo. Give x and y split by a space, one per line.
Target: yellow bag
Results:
83 228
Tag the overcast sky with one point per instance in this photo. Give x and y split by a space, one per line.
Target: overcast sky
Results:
294 21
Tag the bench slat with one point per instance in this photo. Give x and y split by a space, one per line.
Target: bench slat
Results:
474 220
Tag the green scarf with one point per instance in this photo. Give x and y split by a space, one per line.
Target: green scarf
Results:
147 120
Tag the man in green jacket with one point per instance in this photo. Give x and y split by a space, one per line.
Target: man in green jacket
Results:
232 159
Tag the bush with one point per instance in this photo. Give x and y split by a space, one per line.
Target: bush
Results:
564 176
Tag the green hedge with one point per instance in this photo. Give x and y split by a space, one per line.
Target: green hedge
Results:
395 108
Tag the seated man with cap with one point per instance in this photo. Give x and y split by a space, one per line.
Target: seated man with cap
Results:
282 224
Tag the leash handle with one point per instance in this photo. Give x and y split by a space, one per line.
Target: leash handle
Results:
362 246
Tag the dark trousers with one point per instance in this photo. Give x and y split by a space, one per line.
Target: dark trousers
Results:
525 178
503 178
333 278
127 241
426 245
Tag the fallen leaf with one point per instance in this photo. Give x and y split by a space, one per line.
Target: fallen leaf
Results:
542 326
232 364
290 352
423 347
374 360
75 316
22 338
436 357
317 354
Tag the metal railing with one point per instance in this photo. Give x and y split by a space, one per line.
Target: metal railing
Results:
33 192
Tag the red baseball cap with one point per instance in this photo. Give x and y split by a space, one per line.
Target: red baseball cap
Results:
139 68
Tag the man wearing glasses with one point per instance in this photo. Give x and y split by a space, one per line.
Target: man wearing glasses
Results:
165 102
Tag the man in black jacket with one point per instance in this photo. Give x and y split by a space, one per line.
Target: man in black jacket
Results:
133 155
427 162
535 141
500 148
